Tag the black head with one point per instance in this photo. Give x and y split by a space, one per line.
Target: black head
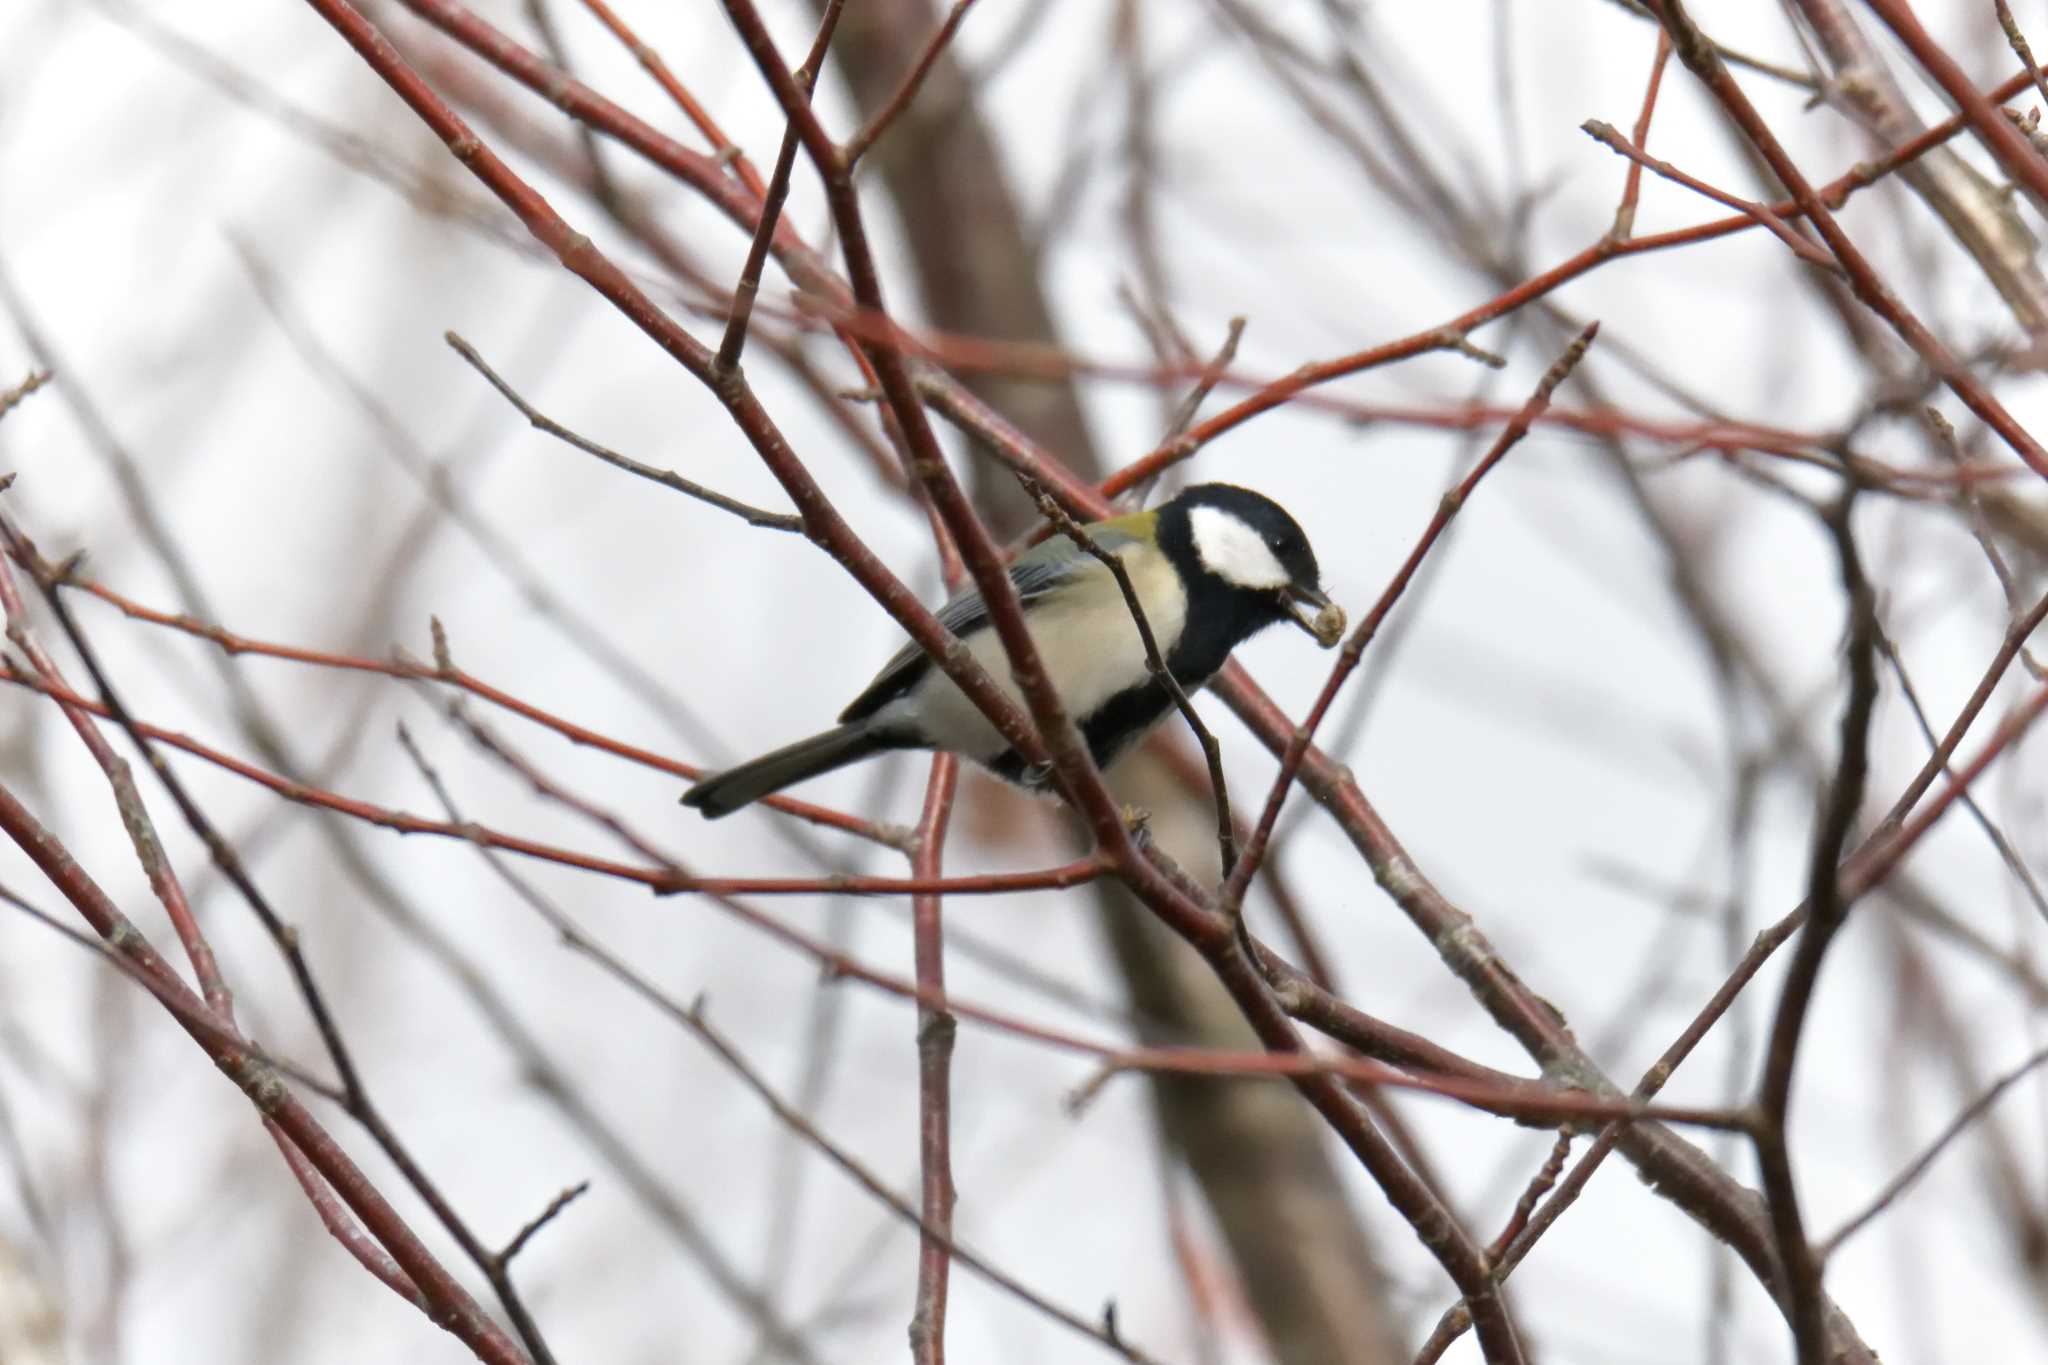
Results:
1246 564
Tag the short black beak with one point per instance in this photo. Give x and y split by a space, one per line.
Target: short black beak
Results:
1315 613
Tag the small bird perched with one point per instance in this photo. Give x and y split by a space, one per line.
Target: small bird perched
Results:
1211 568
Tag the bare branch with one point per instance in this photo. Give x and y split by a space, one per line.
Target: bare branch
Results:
667 478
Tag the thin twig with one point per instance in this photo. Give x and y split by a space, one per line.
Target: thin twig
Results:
1239 879
503 1259
10 397
182 1005
1608 135
354 1096
1546 1176
420 1277
777 192
505 553
1632 187
667 478
1534 288
723 148
2018 42
1205 382
1803 80
320 1193
1918 1166
861 141
557 1083
707 176
656 878
445 672
1861 871
282 935
823 524
692 1019
2007 853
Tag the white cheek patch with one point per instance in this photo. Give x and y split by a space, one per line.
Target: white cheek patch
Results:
1234 551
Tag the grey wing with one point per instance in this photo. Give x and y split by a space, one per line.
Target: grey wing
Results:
1035 573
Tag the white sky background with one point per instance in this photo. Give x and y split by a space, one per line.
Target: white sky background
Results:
1549 710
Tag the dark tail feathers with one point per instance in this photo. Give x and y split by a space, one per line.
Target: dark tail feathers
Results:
742 786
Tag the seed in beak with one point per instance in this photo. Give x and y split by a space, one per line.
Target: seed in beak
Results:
1326 624
1328 627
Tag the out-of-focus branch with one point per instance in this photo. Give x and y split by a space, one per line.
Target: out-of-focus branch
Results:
1903 1181
1676 1169
1294 1238
355 1096
1454 1077
1775 70
1864 869
2018 157
2007 852
1861 85
692 1019
1699 56
1452 334
439 1294
811 273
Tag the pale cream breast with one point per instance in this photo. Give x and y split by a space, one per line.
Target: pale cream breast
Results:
1089 665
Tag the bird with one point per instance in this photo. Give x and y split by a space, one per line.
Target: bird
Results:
1211 567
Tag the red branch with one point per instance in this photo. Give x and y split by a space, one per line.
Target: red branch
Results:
2016 156
449 1305
445 671
1700 57
663 880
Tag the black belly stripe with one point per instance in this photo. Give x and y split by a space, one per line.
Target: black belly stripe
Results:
1124 719
1219 618
1120 722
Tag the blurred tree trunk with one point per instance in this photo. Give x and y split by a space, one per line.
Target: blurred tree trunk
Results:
977 271
1260 1156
